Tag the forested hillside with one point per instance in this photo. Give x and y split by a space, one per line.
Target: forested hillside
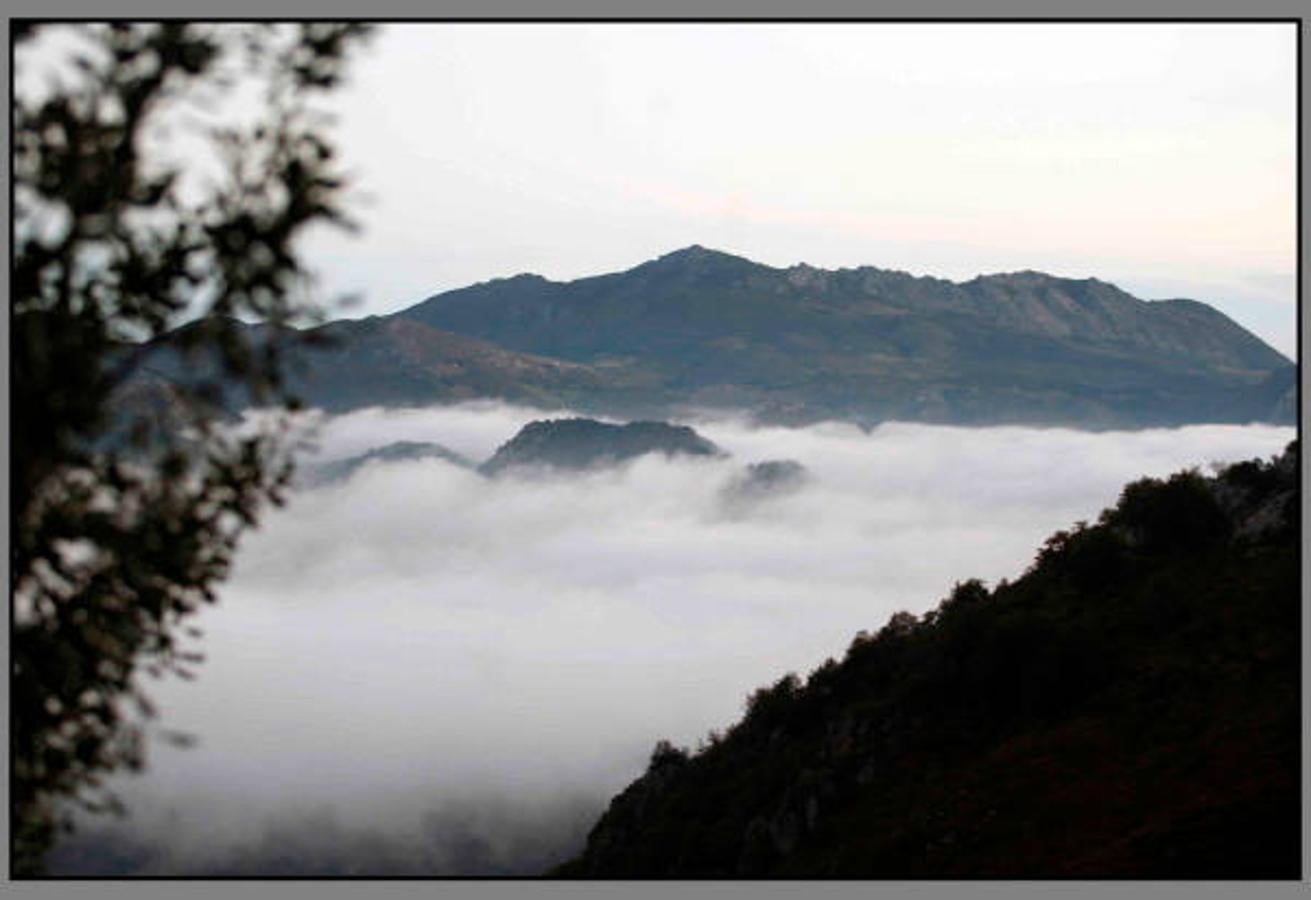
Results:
1129 707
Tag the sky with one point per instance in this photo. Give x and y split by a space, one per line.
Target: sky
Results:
423 671
1160 157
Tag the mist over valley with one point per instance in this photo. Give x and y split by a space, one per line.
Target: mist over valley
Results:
419 669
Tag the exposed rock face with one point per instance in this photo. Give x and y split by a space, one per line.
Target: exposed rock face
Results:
1127 708
586 443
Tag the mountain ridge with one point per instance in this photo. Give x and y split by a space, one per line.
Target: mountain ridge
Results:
694 253
709 328
699 257
699 329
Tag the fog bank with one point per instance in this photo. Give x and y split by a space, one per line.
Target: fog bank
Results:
424 671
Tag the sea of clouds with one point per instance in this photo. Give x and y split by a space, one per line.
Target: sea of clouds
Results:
425 671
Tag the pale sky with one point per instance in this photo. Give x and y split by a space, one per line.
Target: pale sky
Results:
1161 157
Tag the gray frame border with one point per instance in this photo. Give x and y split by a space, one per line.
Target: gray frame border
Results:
672 9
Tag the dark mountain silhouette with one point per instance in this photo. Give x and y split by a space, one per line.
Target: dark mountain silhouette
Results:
1127 708
585 443
318 474
703 329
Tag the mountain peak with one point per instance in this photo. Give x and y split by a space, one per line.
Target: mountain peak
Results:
697 253
579 443
689 250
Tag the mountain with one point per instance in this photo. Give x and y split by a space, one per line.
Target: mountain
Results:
351 364
584 443
702 328
1128 708
393 361
318 474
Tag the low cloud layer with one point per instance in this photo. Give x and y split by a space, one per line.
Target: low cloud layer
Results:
423 671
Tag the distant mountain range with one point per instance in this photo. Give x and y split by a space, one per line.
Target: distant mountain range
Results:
698 329
563 446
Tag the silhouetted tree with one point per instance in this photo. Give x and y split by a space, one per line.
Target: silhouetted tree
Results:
665 753
900 623
1177 513
162 172
964 595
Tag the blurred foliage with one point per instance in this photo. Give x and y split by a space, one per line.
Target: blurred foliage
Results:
1127 708
162 173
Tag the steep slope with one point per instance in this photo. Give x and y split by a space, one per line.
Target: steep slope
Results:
350 364
1127 708
707 328
380 361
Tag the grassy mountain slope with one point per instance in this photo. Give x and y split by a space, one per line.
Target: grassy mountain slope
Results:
351 364
698 329
708 328
1127 708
